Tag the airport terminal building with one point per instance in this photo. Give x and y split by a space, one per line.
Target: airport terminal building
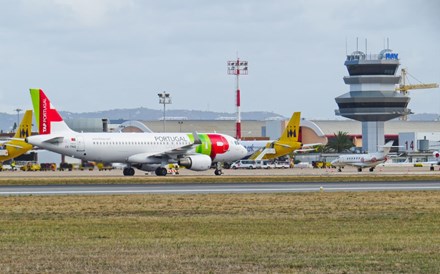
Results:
408 134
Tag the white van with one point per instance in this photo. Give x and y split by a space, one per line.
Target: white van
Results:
264 164
249 164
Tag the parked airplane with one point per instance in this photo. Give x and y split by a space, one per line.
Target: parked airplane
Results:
17 146
145 151
370 160
287 143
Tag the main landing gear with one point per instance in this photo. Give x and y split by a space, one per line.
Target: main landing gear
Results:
128 171
161 171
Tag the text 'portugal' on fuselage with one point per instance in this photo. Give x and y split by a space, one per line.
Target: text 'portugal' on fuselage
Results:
145 151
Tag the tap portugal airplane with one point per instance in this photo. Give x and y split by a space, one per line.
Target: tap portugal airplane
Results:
17 145
145 151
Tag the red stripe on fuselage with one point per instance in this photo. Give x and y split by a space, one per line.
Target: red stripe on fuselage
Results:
219 144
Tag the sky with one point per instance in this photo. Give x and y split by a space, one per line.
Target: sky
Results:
110 54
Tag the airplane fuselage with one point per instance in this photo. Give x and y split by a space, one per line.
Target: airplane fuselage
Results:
360 160
124 147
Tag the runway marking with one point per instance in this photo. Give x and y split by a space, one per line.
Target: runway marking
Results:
225 190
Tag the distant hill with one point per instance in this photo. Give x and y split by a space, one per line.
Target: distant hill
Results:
7 120
424 117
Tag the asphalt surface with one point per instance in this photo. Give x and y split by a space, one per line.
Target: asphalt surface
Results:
217 188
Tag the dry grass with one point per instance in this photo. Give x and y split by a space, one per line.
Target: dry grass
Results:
312 232
213 179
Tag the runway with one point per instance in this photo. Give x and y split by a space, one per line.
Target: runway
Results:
217 188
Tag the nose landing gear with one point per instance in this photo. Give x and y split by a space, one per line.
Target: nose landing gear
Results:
218 169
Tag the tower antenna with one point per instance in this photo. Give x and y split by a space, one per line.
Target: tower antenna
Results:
346 46
366 46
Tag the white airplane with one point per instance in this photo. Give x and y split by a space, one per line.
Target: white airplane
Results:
144 151
370 160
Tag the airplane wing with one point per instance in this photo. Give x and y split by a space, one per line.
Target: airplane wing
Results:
304 150
12 145
308 147
312 145
169 154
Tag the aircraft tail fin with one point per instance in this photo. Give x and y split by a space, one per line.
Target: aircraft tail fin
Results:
47 117
25 128
291 132
387 147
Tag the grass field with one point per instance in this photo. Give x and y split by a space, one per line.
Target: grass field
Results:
92 178
305 232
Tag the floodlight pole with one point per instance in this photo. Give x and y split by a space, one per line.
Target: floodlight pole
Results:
164 98
18 118
236 68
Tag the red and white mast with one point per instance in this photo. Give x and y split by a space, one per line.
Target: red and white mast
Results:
236 68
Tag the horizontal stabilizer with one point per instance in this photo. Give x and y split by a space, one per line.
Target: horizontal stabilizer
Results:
55 140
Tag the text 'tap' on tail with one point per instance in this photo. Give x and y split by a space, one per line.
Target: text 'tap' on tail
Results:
47 117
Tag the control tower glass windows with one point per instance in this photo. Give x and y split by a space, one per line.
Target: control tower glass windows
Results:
372 69
373 105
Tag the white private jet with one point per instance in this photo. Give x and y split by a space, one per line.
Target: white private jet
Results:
145 151
370 160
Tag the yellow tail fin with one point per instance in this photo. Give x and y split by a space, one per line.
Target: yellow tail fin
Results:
291 132
25 128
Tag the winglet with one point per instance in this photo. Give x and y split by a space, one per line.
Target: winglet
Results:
197 140
387 147
47 117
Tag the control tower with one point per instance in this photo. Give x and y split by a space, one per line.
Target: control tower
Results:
372 99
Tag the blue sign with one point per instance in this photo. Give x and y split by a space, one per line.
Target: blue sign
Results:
391 56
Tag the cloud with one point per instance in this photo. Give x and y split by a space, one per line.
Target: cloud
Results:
82 13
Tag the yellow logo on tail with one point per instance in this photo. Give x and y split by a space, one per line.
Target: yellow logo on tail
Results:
291 132
17 147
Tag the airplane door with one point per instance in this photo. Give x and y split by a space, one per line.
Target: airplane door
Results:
80 146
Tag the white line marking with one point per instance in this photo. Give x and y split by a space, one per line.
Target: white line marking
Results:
230 190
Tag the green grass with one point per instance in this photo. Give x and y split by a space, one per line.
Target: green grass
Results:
306 232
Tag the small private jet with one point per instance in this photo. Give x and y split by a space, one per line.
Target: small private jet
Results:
145 151
365 160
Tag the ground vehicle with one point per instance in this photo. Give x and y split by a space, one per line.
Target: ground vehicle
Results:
282 164
249 164
264 164
31 167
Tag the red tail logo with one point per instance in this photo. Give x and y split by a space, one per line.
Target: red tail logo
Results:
47 114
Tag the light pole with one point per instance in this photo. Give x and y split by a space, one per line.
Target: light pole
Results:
164 98
18 118
180 125
236 68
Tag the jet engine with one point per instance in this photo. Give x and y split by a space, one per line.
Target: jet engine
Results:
436 154
196 162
